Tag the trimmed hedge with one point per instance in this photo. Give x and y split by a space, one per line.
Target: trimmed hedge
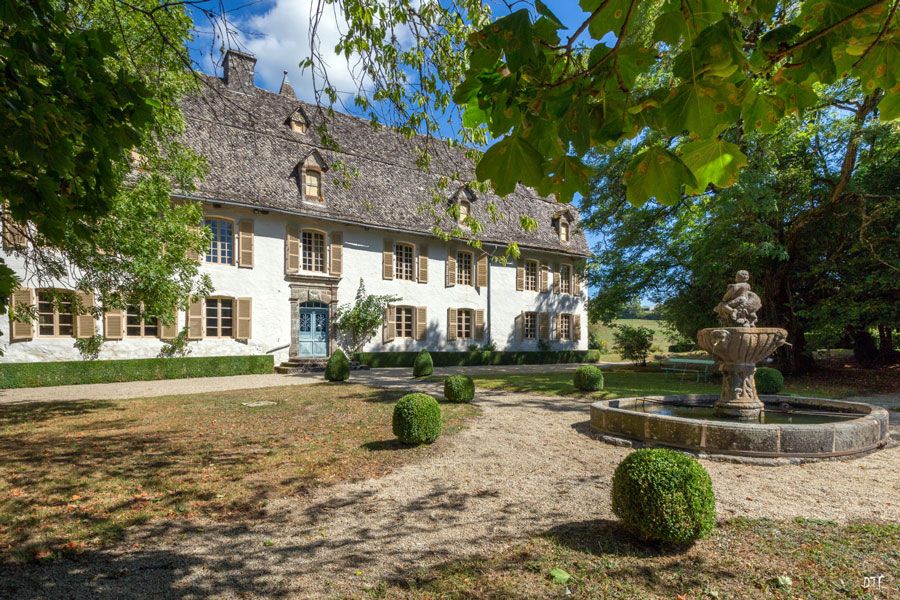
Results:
417 419
459 388
664 496
588 378
39 374
423 365
378 360
338 367
768 380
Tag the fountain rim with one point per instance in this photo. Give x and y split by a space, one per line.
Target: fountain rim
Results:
747 329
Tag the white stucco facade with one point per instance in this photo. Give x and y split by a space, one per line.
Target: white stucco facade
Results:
277 295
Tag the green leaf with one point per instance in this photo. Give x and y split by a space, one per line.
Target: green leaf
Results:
568 176
700 109
559 576
761 112
509 161
889 107
712 161
609 19
656 173
516 34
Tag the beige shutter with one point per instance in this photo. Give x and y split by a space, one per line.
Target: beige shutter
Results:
543 325
576 328
387 260
292 249
114 324
519 326
14 236
193 254
421 322
85 324
556 278
451 323
479 324
21 330
451 268
245 244
337 253
481 270
545 278
576 283
558 325
243 316
390 325
520 277
423 263
170 331
195 320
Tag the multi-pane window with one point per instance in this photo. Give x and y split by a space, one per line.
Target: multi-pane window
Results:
219 317
563 231
403 321
221 241
565 279
464 268
565 327
404 263
464 324
313 244
313 184
531 275
136 326
529 326
55 316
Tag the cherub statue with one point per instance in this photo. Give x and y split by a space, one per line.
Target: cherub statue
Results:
739 304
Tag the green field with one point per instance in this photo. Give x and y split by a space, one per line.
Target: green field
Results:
660 341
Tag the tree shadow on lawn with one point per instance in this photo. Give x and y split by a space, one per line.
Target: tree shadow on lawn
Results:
36 412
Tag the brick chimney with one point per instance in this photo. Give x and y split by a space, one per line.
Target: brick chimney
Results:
239 70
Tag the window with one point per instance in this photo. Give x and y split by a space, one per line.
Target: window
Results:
529 326
136 326
55 316
464 209
221 241
404 262
563 231
219 317
464 268
531 275
313 184
565 279
313 243
464 324
403 321
565 327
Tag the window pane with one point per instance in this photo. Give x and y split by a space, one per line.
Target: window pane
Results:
565 279
313 251
403 261
133 321
151 328
464 268
529 329
531 268
226 317
212 318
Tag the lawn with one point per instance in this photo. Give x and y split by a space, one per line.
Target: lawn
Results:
605 334
742 559
75 475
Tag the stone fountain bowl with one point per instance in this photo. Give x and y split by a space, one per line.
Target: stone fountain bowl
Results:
741 345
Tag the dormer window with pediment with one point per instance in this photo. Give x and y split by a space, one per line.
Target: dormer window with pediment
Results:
298 121
310 171
463 201
562 223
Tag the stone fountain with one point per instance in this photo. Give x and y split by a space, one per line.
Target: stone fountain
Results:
738 345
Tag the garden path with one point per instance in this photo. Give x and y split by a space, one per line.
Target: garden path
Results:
527 465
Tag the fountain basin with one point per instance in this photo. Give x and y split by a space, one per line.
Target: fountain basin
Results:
848 428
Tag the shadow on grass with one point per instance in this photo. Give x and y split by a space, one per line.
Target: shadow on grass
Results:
35 412
379 445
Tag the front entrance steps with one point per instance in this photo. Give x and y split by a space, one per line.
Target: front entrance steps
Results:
296 365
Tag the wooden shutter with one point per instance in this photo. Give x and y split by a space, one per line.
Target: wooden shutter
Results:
556 278
193 254
243 315
14 236
576 327
195 320
245 244
479 324
387 260
520 277
114 324
543 325
576 283
451 323
170 331
451 268
423 263
545 278
481 270
519 326
337 253
421 322
292 249
390 326
21 330
558 325
85 324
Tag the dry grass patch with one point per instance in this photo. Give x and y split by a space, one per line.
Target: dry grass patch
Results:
75 475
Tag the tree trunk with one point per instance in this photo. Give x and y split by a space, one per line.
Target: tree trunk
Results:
864 350
886 345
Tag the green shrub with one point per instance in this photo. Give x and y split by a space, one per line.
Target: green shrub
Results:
633 343
768 380
664 496
592 356
39 374
380 360
682 347
338 367
423 366
459 388
417 419
588 378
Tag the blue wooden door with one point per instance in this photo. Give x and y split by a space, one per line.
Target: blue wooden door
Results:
313 330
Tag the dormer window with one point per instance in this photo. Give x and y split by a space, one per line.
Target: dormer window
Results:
313 184
308 174
561 223
464 210
298 121
564 232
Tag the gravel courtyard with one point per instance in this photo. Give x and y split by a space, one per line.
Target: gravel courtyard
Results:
526 465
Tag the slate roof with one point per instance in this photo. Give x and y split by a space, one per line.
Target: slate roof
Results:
245 135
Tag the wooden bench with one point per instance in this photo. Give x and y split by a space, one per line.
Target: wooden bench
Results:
700 366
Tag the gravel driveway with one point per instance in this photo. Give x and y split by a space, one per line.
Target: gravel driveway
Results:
527 465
